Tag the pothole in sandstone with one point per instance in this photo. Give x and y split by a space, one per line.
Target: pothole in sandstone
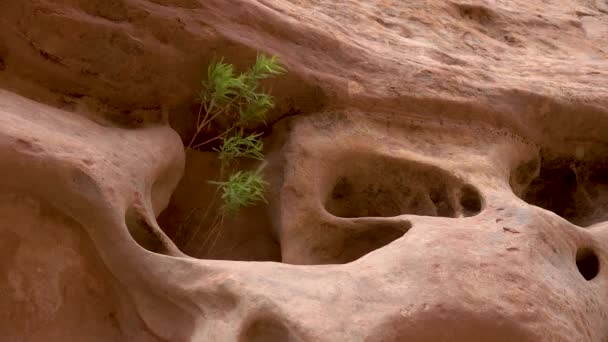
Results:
189 219
265 328
379 186
587 263
575 189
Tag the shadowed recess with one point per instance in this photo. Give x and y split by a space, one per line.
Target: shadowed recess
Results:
575 189
587 263
376 235
191 219
383 187
143 233
265 329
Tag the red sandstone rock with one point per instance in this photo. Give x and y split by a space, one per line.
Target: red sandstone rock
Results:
438 171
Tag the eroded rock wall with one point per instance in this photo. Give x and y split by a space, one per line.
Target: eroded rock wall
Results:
437 171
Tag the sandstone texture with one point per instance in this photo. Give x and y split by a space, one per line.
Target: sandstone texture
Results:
437 170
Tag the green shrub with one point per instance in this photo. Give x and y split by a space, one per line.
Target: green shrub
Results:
242 189
236 99
238 146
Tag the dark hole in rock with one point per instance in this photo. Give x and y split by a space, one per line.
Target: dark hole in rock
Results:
442 201
2 65
587 263
265 329
470 200
480 14
599 176
525 171
384 187
560 196
376 235
576 190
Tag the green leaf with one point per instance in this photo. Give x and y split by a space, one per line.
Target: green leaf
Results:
222 85
242 189
256 109
238 146
266 67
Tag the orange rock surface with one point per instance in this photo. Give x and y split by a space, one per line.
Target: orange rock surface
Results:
437 170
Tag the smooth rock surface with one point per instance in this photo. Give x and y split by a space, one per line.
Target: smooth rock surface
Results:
438 171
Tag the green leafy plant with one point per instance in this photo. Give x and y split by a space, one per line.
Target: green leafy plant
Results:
238 146
242 189
234 97
234 102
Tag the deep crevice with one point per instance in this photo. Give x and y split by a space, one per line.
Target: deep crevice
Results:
575 189
365 235
190 219
385 187
144 233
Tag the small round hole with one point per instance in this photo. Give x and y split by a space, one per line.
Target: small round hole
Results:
470 200
587 263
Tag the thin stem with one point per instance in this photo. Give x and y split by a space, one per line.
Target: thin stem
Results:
205 123
198 126
207 120
202 220
217 235
213 139
181 226
223 109
198 117
216 225
207 111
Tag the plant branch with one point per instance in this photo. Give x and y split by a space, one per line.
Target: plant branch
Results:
213 139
